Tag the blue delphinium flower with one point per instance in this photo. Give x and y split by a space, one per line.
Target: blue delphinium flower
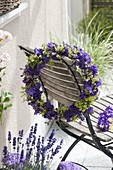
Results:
93 69
33 92
98 83
103 120
83 59
51 45
38 52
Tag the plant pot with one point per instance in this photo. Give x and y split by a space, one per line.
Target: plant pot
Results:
66 165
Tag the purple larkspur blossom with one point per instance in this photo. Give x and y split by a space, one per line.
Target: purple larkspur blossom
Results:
89 110
39 67
51 115
50 112
37 85
48 105
82 95
51 45
70 112
93 69
38 52
88 86
98 83
45 58
66 53
84 60
27 80
36 107
54 57
33 91
103 120
75 47
91 88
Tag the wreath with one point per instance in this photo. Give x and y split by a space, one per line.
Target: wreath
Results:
33 91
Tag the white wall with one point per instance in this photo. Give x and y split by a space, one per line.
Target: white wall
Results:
75 13
32 28
77 9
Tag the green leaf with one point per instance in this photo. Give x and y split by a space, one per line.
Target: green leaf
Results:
1 107
7 94
7 99
7 106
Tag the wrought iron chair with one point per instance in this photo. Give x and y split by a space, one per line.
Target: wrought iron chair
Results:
63 84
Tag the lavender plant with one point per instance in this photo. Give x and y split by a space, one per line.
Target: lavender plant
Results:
35 153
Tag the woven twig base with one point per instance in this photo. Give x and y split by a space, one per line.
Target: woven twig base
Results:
8 5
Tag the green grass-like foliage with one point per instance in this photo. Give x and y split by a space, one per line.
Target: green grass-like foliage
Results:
95 36
100 20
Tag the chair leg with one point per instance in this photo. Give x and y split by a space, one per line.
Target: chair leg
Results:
112 163
71 147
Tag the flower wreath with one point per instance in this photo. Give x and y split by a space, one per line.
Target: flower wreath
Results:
33 91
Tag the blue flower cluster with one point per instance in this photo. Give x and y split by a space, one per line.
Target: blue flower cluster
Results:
35 153
31 78
104 121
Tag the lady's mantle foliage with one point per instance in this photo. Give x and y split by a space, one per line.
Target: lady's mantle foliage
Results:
81 61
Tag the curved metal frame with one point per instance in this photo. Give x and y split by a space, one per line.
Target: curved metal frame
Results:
90 126
95 140
71 71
